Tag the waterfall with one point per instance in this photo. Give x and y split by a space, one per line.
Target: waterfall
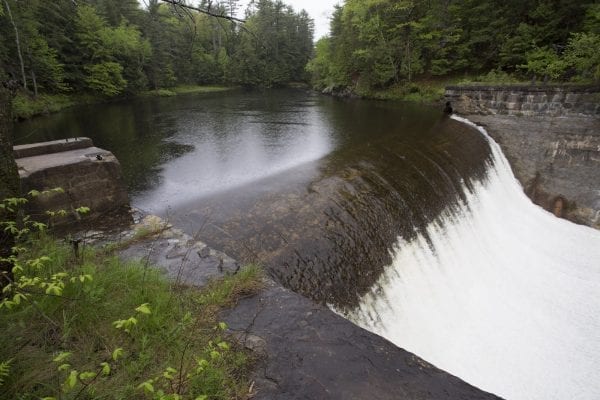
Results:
498 292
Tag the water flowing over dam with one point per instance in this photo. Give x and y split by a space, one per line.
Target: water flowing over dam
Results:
501 293
407 222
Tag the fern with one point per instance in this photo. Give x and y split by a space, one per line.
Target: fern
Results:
4 370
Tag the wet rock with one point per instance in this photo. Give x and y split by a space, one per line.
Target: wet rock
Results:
252 342
184 259
305 351
308 352
204 252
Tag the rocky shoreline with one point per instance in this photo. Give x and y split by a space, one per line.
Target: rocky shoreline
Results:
305 350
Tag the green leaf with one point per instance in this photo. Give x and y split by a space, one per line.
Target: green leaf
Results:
82 210
87 375
215 354
169 373
202 397
118 353
64 367
222 326
223 345
105 368
147 386
202 363
18 297
40 226
62 356
54 289
72 379
144 309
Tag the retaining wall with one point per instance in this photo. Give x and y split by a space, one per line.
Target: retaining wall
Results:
525 100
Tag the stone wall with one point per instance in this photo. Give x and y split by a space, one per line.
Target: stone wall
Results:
525 100
88 176
557 161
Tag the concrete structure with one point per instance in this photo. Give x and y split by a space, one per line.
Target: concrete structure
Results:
551 137
89 177
525 100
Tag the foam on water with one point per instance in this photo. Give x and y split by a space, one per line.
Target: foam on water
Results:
502 294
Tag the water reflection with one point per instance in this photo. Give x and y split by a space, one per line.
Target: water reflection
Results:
316 189
237 145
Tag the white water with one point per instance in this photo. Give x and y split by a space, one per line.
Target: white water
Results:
507 297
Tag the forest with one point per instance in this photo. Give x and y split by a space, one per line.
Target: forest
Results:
381 43
118 47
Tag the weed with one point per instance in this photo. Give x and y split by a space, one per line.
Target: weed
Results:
104 328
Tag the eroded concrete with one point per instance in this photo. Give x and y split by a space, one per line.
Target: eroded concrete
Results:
88 176
556 159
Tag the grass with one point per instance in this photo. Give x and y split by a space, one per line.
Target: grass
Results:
425 91
432 90
25 107
177 345
145 230
185 89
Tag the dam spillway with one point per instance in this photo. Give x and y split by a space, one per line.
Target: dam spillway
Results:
501 293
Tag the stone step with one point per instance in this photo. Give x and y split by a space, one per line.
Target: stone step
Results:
54 146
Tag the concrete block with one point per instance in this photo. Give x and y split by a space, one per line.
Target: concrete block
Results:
89 176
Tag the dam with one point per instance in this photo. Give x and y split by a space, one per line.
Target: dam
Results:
406 222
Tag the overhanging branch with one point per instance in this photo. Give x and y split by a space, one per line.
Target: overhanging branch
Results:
181 3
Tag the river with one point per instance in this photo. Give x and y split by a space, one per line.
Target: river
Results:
407 222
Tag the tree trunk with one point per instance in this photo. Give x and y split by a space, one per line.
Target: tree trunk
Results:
9 179
35 86
12 21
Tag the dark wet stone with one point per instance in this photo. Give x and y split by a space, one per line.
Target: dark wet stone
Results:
204 252
308 352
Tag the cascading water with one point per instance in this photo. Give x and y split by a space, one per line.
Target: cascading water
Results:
498 292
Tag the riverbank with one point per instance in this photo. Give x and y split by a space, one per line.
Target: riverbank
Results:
213 330
303 350
26 107
419 92
83 320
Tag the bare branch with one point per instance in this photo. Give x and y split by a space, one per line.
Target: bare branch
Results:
181 3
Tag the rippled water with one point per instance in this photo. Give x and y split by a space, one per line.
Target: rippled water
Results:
407 222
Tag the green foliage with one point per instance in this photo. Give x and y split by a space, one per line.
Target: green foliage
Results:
545 62
378 45
583 55
91 326
114 48
4 371
105 78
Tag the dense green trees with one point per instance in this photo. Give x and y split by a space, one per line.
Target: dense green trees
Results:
114 47
377 43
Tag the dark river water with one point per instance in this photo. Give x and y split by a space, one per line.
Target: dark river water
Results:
408 223
315 188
